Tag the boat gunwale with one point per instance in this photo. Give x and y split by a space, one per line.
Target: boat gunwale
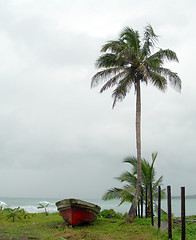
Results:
77 204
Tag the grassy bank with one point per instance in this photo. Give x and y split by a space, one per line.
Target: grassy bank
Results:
40 226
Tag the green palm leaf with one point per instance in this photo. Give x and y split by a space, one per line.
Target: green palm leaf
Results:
127 177
126 193
113 193
131 38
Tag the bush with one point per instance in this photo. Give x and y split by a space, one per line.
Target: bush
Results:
110 213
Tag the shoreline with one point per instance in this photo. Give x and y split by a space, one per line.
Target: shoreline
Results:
30 204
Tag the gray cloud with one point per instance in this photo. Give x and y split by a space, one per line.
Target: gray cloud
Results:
54 127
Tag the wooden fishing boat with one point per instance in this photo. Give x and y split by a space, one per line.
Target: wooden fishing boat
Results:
77 212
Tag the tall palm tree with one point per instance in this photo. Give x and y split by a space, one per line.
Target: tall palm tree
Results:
127 62
126 194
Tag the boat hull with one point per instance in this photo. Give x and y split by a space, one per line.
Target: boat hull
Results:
77 212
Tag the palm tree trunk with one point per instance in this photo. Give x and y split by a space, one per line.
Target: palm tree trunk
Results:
132 211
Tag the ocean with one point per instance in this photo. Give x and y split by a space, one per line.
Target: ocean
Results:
30 205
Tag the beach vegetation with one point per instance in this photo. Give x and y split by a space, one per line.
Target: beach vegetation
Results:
53 227
24 214
126 193
13 213
126 63
44 205
110 213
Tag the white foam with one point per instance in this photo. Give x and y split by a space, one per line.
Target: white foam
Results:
3 205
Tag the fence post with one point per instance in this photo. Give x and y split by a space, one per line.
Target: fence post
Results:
159 207
141 203
146 201
183 213
169 212
151 203
138 206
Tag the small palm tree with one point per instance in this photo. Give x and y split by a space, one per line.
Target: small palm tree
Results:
44 205
24 214
127 62
126 194
13 213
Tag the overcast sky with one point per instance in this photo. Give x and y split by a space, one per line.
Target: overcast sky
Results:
60 138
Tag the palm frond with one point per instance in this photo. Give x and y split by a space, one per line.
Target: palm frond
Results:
173 77
153 63
158 182
131 38
145 172
149 35
132 160
165 54
113 46
152 172
113 81
125 194
103 75
107 60
128 54
157 80
150 40
123 87
113 193
154 156
128 177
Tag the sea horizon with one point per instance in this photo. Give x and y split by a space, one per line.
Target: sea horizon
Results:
30 204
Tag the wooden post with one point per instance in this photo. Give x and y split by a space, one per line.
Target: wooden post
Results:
169 212
138 206
141 203
183 213
151 203
146 201
159 207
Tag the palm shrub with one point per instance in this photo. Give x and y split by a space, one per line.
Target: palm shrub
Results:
13 213
110 213
126 194
44 205
24 214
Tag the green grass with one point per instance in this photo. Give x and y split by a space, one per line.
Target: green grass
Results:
40 226
190 230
